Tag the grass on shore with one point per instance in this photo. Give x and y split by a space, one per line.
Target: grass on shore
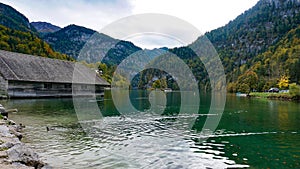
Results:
281 96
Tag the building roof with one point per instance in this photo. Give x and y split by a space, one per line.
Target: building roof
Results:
22 67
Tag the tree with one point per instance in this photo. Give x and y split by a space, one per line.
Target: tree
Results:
244 88
247 80
102 67
120 81
231 87
164 83
283 82
294 69
156 84
294 90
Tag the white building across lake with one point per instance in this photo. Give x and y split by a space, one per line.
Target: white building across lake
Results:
24 75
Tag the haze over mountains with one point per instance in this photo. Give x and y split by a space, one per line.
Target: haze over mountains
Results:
264 39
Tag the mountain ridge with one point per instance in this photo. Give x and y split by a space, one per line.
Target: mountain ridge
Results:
18 35
245 41
13 19
44 27
69 40
72 38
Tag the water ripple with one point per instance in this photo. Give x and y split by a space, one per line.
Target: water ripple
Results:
134 142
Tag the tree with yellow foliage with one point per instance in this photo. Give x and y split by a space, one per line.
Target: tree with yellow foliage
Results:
283 82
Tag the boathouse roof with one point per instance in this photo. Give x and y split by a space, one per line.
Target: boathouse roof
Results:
23 67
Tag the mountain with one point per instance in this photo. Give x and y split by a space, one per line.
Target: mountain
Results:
254 31
18 35
27 43
71 39
245 40
263 39
44 27
120 51
280 59
13 19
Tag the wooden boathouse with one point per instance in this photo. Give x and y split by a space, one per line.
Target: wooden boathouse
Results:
26 76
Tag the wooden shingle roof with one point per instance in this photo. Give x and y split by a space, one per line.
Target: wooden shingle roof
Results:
22 67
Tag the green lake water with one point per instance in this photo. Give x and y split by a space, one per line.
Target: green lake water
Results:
252 133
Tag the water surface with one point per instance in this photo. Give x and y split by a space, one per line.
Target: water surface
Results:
252 133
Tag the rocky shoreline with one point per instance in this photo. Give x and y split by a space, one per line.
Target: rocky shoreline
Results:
13 153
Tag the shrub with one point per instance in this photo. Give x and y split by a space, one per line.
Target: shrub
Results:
294 90
244 88
231 87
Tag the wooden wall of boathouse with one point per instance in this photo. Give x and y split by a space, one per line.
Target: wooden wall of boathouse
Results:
3 86
20 89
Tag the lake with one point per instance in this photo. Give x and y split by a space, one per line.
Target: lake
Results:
253 133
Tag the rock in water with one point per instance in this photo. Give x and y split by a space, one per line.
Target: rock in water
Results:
21 154
3 111
12 110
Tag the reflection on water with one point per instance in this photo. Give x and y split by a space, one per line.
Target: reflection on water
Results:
252 133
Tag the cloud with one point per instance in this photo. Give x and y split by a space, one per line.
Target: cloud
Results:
205 15
155 30
151 42
89 13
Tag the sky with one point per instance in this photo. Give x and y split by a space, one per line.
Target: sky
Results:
205 15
